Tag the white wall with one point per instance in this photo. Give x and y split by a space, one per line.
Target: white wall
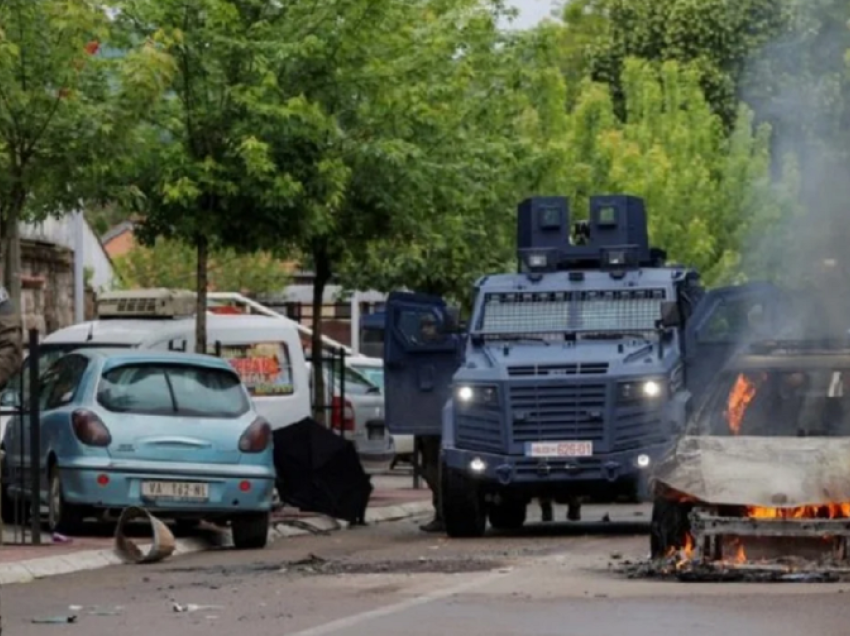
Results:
61 232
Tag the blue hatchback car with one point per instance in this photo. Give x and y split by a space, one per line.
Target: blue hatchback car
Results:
176 433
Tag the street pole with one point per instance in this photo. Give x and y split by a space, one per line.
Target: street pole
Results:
79 267
355 322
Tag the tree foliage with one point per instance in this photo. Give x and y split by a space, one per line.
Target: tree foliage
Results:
705 191
173 264
716 37
65 110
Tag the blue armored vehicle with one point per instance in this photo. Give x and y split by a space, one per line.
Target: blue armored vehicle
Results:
569 379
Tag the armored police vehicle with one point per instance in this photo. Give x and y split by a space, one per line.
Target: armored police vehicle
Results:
568 381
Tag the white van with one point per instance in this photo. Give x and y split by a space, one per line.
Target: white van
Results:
265 351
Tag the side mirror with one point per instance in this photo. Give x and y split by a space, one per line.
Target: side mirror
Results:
670 316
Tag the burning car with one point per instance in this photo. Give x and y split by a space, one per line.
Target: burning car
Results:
761 474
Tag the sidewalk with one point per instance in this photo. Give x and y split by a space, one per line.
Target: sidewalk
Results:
393 499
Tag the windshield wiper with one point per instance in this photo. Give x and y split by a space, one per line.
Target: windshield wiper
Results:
614 335
519 338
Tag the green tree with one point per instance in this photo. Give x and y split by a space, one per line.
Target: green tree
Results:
506 143
172 264
714 36
705 191
202 166
64 110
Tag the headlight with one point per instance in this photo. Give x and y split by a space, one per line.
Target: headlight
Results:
477 395
641 390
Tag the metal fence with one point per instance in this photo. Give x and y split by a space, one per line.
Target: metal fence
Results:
330 409
21 469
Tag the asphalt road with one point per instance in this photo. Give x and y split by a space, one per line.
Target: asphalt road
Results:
391 579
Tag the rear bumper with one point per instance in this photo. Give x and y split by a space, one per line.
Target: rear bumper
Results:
124 488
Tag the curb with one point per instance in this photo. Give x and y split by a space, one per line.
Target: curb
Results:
40 568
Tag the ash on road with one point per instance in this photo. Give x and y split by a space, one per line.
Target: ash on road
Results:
391 579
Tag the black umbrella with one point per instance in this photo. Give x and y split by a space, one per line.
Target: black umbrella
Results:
318 471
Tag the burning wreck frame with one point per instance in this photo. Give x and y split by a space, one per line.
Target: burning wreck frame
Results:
774 498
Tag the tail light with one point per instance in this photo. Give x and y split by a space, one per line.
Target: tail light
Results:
89 428
256 437
342 416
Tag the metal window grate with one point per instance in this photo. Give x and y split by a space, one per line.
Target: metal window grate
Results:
526 313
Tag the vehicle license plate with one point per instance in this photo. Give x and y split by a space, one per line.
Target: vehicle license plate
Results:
559 449
182 490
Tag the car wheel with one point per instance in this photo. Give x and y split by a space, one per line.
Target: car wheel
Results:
669 527
508 515
62 517
463 505
251 532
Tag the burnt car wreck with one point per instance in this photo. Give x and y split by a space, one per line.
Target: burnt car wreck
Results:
758 485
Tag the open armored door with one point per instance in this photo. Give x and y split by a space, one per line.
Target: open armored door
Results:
421 354
725 321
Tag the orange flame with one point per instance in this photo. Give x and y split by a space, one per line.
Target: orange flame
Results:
742 394
825 511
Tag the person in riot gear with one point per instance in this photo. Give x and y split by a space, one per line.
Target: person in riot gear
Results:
11 341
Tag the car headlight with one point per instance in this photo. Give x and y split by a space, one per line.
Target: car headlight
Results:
641 390
478 395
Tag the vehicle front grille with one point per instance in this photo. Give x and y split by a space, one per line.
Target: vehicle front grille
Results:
479 431
560 412
536 370
637 428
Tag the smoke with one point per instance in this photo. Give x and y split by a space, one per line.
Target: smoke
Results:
798 83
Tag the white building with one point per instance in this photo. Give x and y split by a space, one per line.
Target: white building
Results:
60 231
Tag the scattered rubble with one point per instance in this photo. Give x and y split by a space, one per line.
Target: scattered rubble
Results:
780 570
316 565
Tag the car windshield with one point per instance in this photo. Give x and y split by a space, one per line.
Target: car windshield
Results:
172 389
375 375
355 383
554 314
783 402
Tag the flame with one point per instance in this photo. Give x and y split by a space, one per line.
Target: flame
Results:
825 511
742 394
740 553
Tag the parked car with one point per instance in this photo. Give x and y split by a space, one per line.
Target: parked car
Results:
176 433
373 370
357 412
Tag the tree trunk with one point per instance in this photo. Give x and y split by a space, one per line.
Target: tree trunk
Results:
321 268
201 308
12 257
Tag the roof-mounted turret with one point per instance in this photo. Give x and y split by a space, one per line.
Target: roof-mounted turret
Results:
614 237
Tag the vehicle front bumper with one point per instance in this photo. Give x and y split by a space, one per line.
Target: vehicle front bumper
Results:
590 472
124 487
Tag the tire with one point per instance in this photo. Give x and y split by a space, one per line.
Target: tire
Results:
509 515
62 517
463 505
669 526
251 532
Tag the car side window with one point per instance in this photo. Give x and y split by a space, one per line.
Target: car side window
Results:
60 383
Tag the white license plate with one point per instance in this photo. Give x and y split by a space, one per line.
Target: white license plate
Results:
177 490
559 449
